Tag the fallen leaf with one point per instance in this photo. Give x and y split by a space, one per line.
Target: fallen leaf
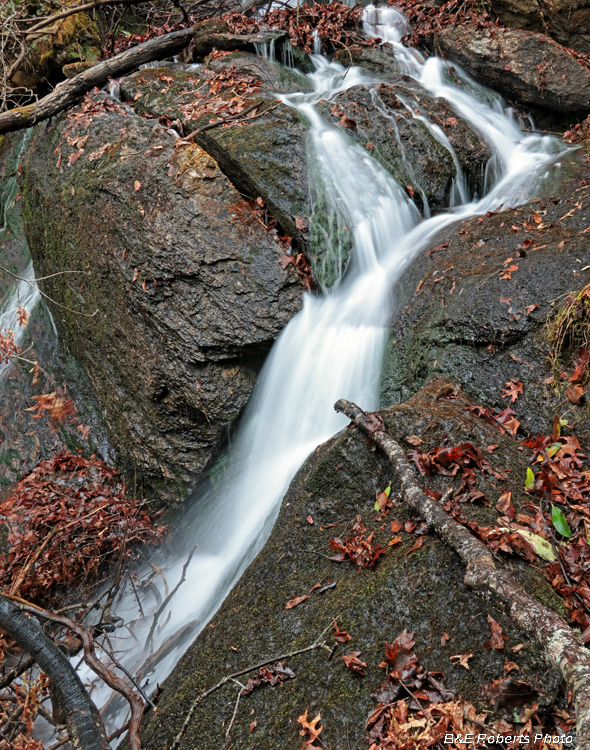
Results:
462 659
575 394
505 506
309 519
354 663
296 602
444 638
135 276
529 308
413 440
497 639
137 185
512 390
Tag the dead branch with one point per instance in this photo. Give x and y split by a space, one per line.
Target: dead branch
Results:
318 643
71 91
562 646
163 605
85 727
115 683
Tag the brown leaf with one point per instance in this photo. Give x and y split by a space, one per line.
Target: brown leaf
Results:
413 440
340 635
300 224
137 185
135 276
253 726
309 519
354 663
512 390
462 659
529 308
395 526
296 602
370 146
575 394
444 638
310 727
505 506
498 638
510 666
417 544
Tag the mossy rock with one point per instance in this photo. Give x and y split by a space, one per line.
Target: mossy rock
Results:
474 305
422 591
76 39
179 294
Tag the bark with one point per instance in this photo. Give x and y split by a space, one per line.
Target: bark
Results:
71 91
561 645
84 724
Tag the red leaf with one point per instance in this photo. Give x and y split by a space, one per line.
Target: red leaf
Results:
296 602
354 663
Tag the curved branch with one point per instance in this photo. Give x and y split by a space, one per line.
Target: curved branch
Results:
85 726
562 646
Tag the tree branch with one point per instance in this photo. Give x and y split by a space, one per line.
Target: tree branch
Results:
71 91
85 727
562 646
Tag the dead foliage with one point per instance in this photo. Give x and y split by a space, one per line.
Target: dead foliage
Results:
335 25
361 549
66 520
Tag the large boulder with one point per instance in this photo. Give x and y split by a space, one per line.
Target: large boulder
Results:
524 66
169 288
477 307
421 590
567 21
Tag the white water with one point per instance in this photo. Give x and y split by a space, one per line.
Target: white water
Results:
24 293
332 349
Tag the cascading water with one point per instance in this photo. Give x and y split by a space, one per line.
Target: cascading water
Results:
332 349
23 292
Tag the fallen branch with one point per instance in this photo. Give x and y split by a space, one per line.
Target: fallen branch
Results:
71 91
562 646
85 727
115 683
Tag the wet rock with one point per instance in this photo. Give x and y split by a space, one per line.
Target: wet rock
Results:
423 592
401 124
186 294
523 66
475 306
567 21
267 155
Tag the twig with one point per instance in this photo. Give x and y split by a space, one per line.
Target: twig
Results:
318 643
162 606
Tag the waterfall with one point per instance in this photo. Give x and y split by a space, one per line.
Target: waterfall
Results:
22 289
332 349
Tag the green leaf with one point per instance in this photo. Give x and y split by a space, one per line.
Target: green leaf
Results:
530 479
386 492
559 522
552 449
540 545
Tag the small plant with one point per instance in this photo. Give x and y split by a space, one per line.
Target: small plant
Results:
569 331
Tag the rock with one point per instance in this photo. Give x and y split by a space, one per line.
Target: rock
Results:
567 21
72 69
523 66
476 309
76 39
186 294
392 117
267 156
423 592
263 157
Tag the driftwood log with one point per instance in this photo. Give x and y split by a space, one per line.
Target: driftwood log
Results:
71 91
85 727
561 645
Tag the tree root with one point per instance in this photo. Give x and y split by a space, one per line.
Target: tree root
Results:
562 646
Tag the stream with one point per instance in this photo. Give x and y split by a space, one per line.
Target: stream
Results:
332 349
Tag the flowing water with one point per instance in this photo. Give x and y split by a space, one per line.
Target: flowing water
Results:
24 292
332 349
